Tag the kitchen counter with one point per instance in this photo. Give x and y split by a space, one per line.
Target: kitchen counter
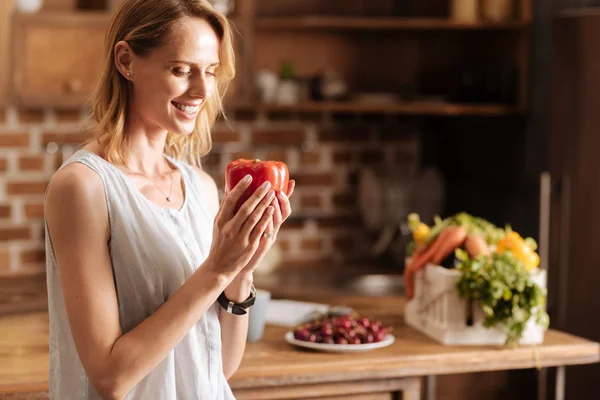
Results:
274 369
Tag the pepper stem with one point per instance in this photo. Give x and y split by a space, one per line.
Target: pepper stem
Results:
256 161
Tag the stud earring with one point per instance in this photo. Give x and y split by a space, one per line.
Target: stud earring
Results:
128 74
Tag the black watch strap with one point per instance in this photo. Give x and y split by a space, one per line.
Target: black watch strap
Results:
237 308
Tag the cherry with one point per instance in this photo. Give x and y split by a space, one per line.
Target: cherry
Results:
340 332
341 340
302 334
379 336
346 329
364 322
343 322
327 330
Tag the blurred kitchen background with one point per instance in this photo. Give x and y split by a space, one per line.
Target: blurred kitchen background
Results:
379 108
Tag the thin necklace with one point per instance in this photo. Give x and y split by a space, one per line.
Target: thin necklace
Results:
168 197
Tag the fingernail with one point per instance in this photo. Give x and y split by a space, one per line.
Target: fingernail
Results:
282 194
270 210
266 185
271 194
247 178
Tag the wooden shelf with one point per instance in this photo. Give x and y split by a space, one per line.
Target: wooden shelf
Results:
380 23
403 108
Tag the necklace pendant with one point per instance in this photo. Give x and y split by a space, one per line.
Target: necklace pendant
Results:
168 198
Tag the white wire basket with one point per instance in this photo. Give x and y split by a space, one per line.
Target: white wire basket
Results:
438 311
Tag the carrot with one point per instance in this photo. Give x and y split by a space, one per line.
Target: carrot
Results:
476 245
408 274
453 239
409 283
420 249
422 259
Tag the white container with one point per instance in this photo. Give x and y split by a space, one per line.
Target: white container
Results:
267 83
288 92
29 6
438 311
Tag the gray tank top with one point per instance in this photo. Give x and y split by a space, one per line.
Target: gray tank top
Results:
153 252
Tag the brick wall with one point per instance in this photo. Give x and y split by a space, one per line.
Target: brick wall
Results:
323 156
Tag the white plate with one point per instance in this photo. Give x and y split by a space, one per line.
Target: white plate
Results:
340 348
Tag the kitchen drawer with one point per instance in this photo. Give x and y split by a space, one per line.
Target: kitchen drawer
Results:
57 57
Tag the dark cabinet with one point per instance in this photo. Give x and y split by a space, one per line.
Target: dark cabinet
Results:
575 168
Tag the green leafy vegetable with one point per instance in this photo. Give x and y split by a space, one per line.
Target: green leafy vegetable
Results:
503 288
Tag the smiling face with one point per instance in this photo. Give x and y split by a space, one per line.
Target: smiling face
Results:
174 81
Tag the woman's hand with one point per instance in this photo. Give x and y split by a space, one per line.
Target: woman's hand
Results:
282 210
236 238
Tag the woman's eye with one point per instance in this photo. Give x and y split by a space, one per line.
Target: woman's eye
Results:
181 72
211 73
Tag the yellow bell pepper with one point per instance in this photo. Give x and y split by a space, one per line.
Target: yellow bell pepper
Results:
514 243
511 241
420 233
419 229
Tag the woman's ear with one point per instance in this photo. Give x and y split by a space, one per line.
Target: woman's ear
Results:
123 58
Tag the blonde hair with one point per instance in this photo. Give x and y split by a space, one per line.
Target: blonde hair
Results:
144 24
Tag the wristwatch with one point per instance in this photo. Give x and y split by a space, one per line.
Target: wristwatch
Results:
237 308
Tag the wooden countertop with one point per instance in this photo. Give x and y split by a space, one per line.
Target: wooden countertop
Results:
273 362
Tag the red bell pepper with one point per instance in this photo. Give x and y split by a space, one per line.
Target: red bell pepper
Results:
275 172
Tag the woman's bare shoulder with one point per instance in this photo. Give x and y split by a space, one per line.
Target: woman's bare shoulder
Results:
76 178
76 193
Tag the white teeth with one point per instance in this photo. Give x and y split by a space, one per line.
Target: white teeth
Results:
187 109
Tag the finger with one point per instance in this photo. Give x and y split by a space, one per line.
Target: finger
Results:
291 187
270 230
231 198
261 227
250 204
250 222
284 204
222 203
266 241
277 218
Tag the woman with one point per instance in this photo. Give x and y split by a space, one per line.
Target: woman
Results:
138 247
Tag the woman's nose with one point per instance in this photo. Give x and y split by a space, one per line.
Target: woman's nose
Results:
198 88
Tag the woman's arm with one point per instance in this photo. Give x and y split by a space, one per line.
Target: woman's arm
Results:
234 328
78 224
